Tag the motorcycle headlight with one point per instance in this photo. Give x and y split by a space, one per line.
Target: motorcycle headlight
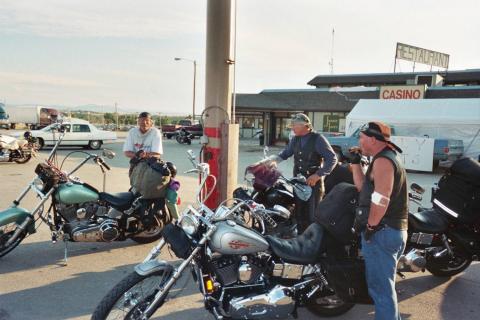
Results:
189 224
38 183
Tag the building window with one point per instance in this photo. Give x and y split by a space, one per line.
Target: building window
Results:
248 122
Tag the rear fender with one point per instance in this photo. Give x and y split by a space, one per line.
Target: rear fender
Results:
17 215
152 266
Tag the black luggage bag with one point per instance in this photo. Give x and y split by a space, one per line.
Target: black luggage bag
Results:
458 193
336 212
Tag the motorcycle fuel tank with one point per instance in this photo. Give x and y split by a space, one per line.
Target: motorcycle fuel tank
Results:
232 238
72 193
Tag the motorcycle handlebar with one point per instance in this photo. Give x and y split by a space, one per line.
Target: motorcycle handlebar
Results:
413 196
103 163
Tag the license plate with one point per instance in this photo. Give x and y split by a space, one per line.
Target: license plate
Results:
422 238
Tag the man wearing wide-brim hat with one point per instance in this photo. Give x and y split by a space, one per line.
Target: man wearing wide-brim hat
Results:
314 158
383 195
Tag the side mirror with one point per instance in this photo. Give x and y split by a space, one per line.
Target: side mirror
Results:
415 187
107 153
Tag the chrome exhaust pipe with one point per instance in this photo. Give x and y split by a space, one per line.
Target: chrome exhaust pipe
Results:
413 261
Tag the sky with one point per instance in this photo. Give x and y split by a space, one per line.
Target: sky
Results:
98 52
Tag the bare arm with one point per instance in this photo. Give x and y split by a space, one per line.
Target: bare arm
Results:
358 176
153 154
129 154
382 173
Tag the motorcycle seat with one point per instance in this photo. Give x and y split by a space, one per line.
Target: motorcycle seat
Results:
120 201
428 221
303 249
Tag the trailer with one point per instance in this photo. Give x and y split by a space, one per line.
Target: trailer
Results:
34 117
4 121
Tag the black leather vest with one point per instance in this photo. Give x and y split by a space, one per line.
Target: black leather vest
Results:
307 160
396 215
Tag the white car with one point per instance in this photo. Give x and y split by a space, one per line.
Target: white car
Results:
77 133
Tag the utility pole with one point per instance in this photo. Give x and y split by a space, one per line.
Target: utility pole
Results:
194 81
221 151
331 52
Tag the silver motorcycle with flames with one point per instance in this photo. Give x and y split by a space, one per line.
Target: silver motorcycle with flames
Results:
241 273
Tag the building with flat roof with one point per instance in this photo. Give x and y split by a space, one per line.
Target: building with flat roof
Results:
334 96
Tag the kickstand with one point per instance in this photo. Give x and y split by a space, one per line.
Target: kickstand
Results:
401 275
65 256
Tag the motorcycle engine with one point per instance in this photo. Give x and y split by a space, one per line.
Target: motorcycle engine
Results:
83 228
75 213
105 231
234 269
248 292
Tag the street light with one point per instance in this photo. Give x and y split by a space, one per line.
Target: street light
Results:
194 81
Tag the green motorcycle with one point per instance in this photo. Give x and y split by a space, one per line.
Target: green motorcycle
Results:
79 212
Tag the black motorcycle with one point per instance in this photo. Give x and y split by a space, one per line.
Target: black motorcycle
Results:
184 137
267 186
445 239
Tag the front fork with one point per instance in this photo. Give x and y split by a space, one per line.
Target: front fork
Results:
23 226
161 294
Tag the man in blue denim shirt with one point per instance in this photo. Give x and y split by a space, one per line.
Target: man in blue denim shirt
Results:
383 188
314 158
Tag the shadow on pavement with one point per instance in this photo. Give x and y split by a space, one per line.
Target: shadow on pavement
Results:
38 254
61 299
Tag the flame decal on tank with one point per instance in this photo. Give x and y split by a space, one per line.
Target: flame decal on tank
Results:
237 244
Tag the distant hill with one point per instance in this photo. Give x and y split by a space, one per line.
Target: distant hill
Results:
100 109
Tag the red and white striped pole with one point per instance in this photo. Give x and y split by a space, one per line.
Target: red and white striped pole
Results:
221 152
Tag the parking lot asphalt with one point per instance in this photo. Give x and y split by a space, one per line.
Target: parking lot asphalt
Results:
35 283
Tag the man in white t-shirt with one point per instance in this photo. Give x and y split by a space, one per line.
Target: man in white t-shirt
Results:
145 137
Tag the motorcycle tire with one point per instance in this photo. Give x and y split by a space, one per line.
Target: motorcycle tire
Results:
122 291
328 310
23 160
449 268
154 233
40 144
189 142
4 238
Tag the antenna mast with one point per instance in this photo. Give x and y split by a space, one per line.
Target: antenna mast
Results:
330 63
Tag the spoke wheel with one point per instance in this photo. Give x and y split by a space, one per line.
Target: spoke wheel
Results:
24 159
154 232
129 298
6 232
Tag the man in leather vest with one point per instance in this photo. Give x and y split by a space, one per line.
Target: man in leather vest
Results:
314 158
383 192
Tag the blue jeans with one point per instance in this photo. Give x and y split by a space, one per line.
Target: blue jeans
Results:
381 254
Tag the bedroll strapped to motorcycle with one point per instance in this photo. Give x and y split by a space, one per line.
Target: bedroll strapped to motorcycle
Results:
150 177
